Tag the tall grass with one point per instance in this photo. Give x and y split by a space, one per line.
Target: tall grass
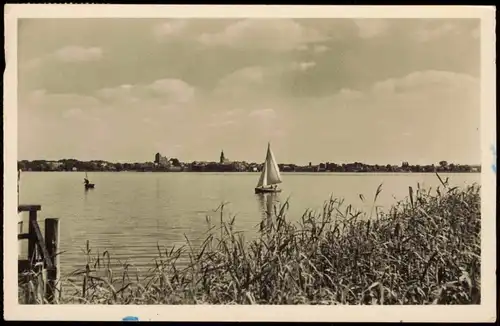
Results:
424 250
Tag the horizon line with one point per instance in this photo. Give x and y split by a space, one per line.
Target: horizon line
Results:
243 161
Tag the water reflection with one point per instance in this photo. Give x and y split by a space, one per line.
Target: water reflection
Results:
267 203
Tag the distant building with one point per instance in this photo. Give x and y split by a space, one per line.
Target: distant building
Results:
161 160
223 159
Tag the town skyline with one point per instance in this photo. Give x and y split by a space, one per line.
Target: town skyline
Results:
317 89
229 159
215 158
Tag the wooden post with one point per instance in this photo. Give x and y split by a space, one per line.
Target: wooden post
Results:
27 265
32 239
53 272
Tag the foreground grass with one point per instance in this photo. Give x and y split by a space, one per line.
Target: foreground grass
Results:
424 250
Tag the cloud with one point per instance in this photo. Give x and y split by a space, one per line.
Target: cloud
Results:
303 66
263 34
67 54
314 48
163 92
370 27
41 101
252 74
429 79
73 113
320 48
170 29
241 81
233 112
422 89
266 80
175 89
347 93
432 31
263 114
78 54
223 123
228 118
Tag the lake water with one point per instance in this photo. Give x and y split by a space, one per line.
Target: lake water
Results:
129 213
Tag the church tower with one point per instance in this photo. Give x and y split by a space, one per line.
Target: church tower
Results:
222 158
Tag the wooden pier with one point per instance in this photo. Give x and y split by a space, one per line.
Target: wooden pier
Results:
39 272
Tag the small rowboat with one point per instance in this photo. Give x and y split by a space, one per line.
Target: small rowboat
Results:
87 184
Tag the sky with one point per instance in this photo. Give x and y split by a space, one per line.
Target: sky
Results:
376 91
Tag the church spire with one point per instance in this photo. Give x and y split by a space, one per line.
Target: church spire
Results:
222 158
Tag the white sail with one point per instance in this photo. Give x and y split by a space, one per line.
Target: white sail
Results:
273 173
263 177
270 174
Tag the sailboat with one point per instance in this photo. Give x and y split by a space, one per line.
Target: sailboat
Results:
270 175
88 185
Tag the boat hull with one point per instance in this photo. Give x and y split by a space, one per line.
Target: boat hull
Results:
89 186
266 190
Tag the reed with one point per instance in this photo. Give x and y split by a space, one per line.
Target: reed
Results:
424 250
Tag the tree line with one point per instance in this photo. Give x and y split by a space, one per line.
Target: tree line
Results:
177 166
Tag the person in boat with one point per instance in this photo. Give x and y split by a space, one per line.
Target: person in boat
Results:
86 181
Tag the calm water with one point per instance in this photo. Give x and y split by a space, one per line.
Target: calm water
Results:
129 213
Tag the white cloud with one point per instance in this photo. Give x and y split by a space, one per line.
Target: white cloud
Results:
303 66
370 27
253 74
429 79
432 32
163 93
263 114
223 123
73 113
233 112
226 118
78 54
241 81
65 54
171 28
320 48
263 34
262 80
40 100
175 89
347 93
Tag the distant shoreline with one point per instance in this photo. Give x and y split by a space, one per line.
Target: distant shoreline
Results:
174 165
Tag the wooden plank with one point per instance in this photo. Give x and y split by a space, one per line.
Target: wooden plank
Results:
31 231
23 236
41 244
53 274
28 208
